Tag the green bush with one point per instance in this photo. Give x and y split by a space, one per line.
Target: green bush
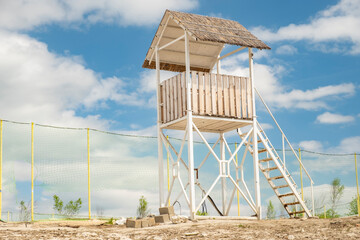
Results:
142 210
71 209
270 212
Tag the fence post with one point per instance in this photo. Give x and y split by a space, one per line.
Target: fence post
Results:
237 191
1 144
357 186
88 158
32 171
325 211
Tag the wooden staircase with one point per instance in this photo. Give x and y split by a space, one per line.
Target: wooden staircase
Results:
279 177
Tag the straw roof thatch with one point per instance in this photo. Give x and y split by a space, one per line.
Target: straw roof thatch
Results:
202 29
215 29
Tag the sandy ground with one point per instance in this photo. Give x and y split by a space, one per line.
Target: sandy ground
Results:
343 228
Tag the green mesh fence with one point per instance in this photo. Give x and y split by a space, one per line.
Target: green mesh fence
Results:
123 168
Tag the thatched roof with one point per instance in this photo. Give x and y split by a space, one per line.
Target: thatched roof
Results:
208 36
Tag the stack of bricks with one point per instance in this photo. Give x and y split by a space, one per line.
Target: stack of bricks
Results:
166 213
140 223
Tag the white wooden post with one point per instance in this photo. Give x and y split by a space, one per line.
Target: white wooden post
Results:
190 129
223 179
160 146
255 138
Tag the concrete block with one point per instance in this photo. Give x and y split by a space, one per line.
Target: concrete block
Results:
167 210
151 221
164 218
144 222
133 223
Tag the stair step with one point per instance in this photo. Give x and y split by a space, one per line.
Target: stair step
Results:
274 178
269 169
294 213
281 186
286 195
265 160
243 135
292 203
262 150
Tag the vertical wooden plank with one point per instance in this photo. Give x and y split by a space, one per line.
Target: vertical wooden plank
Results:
226 95
174 80
201 93
179 100
167 101
243 97
183 90
207 94
237 97
213 94
171 91
249 99
220 94
162 102
194 87
232 95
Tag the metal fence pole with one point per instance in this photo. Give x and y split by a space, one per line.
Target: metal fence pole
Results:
88 158
1 167
32 171
357 186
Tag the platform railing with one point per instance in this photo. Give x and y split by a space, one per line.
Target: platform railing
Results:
212 94
284 138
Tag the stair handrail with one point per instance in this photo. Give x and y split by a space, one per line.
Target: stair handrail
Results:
277 155
292 149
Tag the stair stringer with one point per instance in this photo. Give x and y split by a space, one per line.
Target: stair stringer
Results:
287 179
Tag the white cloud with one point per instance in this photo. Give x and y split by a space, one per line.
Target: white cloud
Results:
40 86
337 25
267 81
26 15
148 80
332 118
311 145
286 50
348 145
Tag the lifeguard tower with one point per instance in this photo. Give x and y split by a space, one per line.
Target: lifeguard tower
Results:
199 100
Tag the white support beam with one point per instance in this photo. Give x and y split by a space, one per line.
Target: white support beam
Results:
255 139
190 129
172 42
191 54
223 179
231 53
159 132
206 143
208 154
158 40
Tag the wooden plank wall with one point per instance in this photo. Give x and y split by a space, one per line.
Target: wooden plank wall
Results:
211 95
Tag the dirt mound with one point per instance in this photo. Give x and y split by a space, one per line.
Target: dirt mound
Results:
342 228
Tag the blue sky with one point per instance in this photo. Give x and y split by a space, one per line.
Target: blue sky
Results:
78 64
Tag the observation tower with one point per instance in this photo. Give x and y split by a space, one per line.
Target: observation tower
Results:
201 99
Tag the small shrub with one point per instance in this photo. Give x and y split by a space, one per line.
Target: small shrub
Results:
270 212
142 210
72 208
58 204
353 207
24 214
201 213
